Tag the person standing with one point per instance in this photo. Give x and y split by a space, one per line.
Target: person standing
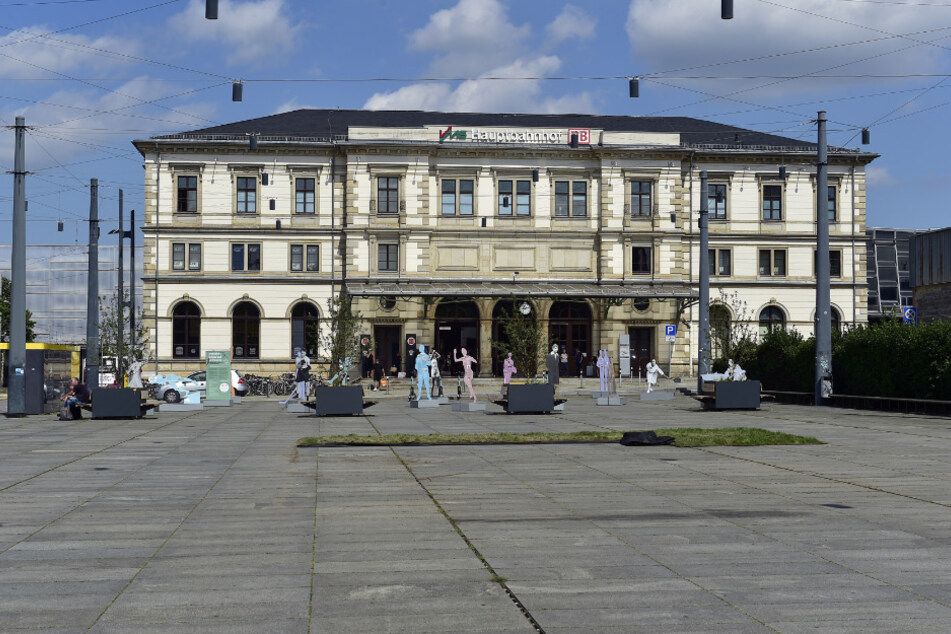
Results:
653 371
563 366
579 361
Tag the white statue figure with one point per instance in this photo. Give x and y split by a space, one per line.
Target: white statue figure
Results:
739 374
508 369
423 378
434 374
467 362
302 374
653 371
603 366
135 373
552 363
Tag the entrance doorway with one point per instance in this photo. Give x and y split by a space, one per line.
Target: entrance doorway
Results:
504 309
457 327
642 349
569 325
388 340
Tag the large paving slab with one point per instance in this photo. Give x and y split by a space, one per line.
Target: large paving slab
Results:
214 521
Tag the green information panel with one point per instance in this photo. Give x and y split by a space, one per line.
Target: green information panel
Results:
218 375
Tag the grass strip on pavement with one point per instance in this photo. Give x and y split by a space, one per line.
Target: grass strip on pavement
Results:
684 437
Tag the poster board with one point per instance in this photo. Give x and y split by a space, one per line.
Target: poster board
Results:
218 375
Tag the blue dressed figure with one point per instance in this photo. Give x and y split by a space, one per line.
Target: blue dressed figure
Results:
422 373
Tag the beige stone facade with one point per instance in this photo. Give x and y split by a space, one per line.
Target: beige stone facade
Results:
600 239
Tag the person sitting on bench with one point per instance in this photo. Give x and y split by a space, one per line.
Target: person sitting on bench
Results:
77 395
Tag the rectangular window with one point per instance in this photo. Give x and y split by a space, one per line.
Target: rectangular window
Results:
247 195
305 191
388 257
523 199
194 257
716 201
835 262
187 194
178 256
772 262
297 258
831 205
641 260
237 257
579 198
466 197
772 202
245 257
562 201
448 197
720 262
506 204
313 258
388 195
640 198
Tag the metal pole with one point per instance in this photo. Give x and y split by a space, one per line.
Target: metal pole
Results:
823 326
132 337
703 346
120 321
92 291
16 403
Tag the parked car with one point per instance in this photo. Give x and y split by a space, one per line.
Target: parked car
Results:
196 382
168 387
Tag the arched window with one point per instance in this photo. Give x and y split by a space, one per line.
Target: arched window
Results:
836 320
771 318
719 331
305 329
186 331
246 331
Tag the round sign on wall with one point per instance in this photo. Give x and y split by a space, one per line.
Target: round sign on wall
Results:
224 387
411 341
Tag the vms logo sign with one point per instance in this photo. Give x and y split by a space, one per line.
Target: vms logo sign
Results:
584 135
450 134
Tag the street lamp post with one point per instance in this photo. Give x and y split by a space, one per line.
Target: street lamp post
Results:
703 345
823 325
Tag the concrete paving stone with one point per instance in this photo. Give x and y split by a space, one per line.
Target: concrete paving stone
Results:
48 617
844 610
463 623
284 626
685 617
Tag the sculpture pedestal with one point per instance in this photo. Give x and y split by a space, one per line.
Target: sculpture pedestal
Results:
179 407
216 403
612 399
424 403
468 406
599 395
296 407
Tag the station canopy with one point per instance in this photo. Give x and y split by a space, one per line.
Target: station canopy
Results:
577 290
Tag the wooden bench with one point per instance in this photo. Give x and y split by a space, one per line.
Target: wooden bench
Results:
146 406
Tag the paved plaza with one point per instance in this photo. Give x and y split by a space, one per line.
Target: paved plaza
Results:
215 521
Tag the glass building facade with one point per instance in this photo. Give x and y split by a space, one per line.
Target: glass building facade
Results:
889 282
56 281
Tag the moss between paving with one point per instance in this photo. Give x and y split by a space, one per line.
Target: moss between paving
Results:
684 437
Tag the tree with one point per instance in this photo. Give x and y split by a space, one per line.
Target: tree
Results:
341 339
6 295
110 326
524 338
731 338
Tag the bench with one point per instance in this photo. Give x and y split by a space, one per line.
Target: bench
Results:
77 410
730 395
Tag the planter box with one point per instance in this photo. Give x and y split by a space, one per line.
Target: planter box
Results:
531 399
343 400
115 402
736 395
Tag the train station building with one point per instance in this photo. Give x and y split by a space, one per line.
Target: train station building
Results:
442 224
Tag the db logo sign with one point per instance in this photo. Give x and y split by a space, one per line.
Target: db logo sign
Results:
411 341
584 135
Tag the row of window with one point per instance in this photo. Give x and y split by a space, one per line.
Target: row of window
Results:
772 262
514 198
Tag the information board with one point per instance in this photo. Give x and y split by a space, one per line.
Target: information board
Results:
218 375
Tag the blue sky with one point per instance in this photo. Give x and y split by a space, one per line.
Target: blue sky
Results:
91 75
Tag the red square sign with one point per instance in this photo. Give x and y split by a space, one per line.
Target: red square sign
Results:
584 135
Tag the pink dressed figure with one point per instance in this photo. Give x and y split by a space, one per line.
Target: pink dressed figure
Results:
604 366
508 369
466 362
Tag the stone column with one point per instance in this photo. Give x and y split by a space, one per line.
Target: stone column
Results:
485 347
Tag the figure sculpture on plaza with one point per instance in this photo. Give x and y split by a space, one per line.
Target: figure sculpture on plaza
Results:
466 362
434 374
653 371
423 378
734 372
508 369
603 365
135 373
552 364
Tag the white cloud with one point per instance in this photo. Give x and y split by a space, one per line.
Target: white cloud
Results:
879 176
255 31
471 37
688 33
475 95
571 23
25 54
290 106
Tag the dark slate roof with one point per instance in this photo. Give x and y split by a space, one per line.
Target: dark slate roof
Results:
335 123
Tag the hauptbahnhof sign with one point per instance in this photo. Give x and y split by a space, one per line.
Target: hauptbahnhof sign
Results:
502 135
